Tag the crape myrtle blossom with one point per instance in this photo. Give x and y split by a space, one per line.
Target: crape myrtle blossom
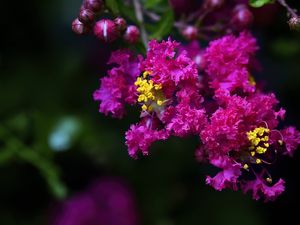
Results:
118 88
185 90
106 201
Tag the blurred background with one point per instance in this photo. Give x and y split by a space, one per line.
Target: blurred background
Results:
56 149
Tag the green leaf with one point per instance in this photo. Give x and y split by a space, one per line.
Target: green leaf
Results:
164 26
152 3
113 6
259 3
47 169
127 12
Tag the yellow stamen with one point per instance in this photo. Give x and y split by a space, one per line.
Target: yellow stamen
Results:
148 92
261 150
269 180
252 80
159 102
144 107
258 140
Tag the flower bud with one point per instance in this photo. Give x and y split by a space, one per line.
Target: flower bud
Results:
93 5
190 32
294 23
132 34
242 17
121 23
86 16
80 28
106 30
213 4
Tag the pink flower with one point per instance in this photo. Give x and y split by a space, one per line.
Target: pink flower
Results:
229 124
118 88
185 120
236 122
139 138
227 60
228 177
107 201
194 51
291 139
166 67
260 189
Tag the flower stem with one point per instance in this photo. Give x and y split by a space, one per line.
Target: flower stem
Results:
140 19
291 11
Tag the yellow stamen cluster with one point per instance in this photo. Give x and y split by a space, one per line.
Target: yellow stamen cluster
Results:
252 80
148 92
258 138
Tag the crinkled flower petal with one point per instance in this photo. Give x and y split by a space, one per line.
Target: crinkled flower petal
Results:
139 138
228 177
261 190
118 87
227 60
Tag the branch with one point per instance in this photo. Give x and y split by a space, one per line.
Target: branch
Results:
140 19
288 8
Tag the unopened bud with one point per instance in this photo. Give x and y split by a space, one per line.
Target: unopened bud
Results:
80 28
94 5
242 17
106 30
190 32
86 16
132 34
120 23
294 23
213 4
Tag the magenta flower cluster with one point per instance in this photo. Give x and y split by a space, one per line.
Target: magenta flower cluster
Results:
210 93
106 201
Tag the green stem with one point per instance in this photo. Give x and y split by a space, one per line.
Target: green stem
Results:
140 19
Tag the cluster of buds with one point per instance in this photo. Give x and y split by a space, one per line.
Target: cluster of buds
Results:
84 22
215 16
106 30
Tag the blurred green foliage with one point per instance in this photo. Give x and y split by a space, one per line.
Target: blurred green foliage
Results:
259 3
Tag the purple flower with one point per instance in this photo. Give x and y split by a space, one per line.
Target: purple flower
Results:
107 201
228 177
166 67
139 138
260 188
118 88
183 91
291 139
227 61
194 51
229 124
185 120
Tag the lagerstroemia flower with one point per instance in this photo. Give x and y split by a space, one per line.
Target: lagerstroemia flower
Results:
206 92
118 88
107 201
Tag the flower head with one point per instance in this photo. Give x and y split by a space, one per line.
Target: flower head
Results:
215 99
118 87
107 201
227 61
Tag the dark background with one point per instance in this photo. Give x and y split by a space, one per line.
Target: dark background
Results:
47 77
